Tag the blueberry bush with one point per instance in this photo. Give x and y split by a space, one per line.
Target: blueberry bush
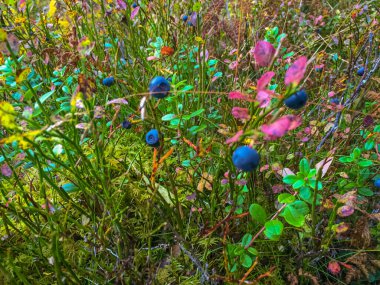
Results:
189 142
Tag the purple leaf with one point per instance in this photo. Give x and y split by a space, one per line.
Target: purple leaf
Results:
240 113
345 211
122 4
6 170
117 101
134 12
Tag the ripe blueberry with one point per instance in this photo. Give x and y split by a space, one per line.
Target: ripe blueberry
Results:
297 100
245 158
159 87
152 138
377 183
126 124
108 81
361 71
334 101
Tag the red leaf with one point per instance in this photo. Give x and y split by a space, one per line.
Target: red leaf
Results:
296 72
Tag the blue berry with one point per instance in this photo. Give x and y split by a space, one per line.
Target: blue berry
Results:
134 5
245 158
108 81
185 17
159 87
318 69
152 138
334 101
297 100
361 71
126 124
377 183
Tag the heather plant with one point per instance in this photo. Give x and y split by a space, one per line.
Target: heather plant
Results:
187 142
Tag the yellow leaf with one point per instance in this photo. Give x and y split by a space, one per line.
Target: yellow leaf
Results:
7 115
3 35
23 75
52 8
199 40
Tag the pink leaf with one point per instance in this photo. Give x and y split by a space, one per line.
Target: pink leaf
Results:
122 4
150 58
235 138
345 211
280 127
193 19
6 170
334 267
324 164
236 95
240 113
331 94
233 65
21 5
264 80
117 101
264 53
296 72
263 97
134 12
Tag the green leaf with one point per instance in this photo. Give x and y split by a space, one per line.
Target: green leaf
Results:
246 260
66 89
289 179
233 268
295 213
304 167
70 188
258 213
312 183
187 88
298 184
356 153
273 229
253 251
44 97
365 163
312 173
305 194
212 62
286 198
168 117
246 240
288 55
175 122
346 159
369 144
197 113
364 191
